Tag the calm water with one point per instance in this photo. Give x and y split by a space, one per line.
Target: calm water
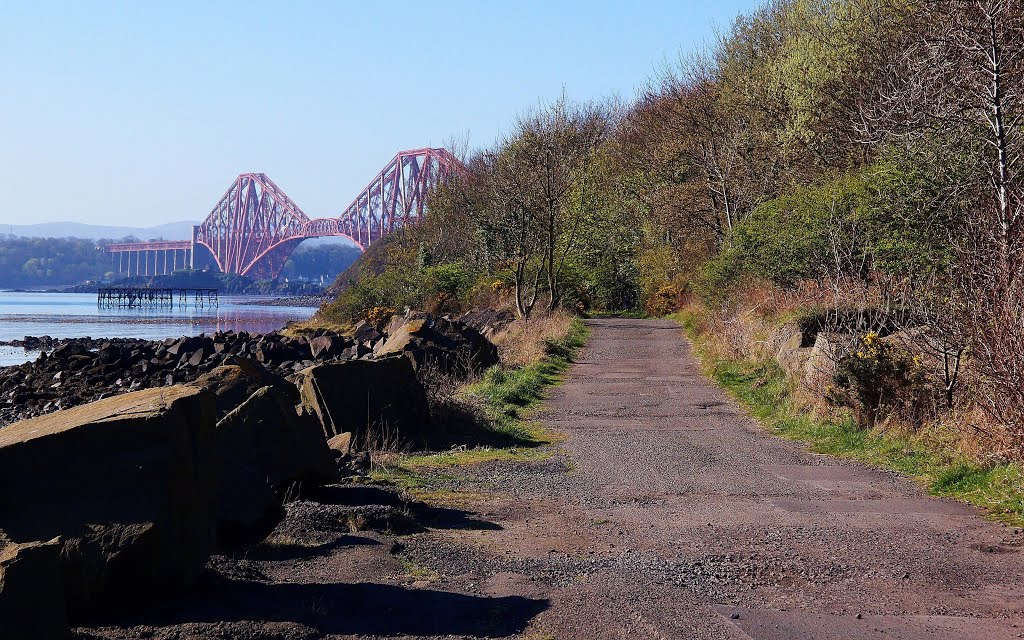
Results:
75 315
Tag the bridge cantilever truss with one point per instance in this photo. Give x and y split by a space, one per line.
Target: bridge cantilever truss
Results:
255 226
395 197
252 228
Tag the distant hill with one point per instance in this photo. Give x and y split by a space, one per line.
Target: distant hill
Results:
170 231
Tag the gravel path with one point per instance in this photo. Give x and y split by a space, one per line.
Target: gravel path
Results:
671 514
664 513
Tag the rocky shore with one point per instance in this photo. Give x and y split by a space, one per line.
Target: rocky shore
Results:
315 301
71 372
142 460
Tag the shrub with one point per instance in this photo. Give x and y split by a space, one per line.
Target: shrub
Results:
451 280
377 316
881 379
664 301
718 278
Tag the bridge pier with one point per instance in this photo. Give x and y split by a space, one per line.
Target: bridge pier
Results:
150 258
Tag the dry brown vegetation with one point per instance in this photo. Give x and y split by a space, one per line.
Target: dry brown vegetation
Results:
762 317
525 341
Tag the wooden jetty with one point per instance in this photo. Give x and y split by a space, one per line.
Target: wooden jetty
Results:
128 297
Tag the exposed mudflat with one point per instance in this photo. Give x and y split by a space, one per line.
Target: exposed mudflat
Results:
665 513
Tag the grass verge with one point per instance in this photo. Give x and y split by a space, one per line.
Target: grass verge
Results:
762 387
506 397
622 313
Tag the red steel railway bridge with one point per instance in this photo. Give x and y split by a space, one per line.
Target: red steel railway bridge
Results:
254 227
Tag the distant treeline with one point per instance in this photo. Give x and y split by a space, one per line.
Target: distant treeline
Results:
42 262
315 261
34 262
226 283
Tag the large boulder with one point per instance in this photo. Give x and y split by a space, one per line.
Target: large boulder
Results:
365 332
128 483
404 336
268 445
449 345
235 382
186 345
823 358
32 602
321 346
792 355
488 321
69 349
380 402
329 345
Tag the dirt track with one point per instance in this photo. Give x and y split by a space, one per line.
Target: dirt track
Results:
666 514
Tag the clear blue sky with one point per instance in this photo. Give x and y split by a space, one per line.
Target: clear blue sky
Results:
138 112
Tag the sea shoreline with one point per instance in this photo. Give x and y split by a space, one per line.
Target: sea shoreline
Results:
35 319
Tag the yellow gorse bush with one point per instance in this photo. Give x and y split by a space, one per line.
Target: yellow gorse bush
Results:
377 315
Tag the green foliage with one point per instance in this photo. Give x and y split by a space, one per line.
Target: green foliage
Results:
394 288
395 274
33 262
885 216
916 208
506 393
450 280
795 236
718 277
659 265
322 260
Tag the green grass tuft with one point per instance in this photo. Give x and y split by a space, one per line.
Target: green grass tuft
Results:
619 313
507 396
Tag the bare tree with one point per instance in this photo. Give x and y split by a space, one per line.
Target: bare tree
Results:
958 79
540 193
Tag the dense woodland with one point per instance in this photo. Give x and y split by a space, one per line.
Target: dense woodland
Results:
849 163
